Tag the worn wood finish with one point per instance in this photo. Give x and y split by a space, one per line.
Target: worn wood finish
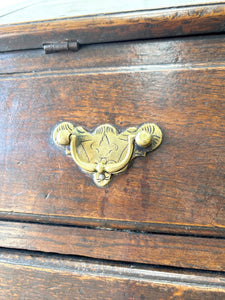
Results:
176 51
25 275
167 250
36 10
180 184
165 215
116 27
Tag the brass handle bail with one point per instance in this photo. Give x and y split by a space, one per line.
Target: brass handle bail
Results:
105 151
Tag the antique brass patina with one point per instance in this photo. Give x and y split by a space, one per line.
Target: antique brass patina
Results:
106 151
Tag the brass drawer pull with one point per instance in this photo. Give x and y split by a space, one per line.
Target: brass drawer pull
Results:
106 151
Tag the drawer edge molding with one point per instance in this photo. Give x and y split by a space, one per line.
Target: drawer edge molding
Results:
156 249
66 276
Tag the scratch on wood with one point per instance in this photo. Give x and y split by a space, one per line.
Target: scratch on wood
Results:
47 196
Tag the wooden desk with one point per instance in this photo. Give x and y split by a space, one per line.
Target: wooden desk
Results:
157 230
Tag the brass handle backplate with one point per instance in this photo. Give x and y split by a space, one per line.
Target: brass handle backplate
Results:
105 151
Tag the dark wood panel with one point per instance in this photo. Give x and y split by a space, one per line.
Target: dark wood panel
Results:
181 183
35 276
167 250
189 51
116 27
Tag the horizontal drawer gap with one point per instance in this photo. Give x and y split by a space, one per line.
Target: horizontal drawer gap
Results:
117 225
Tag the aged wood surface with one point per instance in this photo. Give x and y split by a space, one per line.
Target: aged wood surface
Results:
116 27
178 189
26 276
180 186
175 51
156 249
36 10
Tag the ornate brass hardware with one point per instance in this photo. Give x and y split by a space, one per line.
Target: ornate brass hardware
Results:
105 151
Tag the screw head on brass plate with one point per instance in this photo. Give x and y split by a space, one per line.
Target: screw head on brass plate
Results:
106 151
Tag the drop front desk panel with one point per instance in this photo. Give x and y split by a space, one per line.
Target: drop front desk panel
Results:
157 230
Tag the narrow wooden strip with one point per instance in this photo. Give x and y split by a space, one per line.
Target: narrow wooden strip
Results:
33 276
187 51
90 266
179 251
188 230
116 27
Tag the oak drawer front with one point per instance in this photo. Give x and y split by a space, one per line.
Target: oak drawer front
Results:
177 84
25 275
178 185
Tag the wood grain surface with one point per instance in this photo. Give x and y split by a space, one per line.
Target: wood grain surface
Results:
193 20
36 10
166 210
186 51
178 187
155 249
30 275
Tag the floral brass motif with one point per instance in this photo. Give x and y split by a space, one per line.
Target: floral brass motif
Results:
105 151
